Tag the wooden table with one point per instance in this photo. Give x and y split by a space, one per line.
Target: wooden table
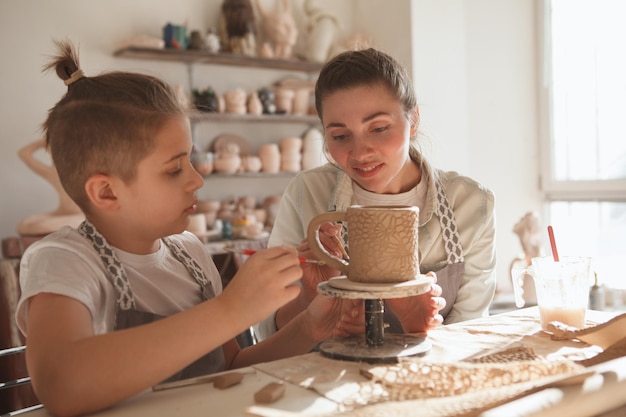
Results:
316 385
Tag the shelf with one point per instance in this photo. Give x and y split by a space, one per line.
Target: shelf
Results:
203 57
199 116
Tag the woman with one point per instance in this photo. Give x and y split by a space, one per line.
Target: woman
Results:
370 117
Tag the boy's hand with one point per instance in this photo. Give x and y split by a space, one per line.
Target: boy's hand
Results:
313 274
264 283
336 317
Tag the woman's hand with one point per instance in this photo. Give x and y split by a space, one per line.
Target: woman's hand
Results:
419 313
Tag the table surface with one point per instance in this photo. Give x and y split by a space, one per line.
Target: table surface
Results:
316 385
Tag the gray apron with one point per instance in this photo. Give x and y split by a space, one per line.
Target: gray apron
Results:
450 276
126 314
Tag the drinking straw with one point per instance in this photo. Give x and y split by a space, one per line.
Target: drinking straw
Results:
555 253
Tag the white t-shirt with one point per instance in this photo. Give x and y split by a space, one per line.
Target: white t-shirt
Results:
65 263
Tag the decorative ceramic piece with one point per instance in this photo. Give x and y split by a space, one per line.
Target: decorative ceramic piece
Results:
235 101
301 101
228 160
266 50
205 100
279 28
175 36
313 149
212 41
322 28
270 158
284 100
268 100
196 41
254 105
252 163
290 154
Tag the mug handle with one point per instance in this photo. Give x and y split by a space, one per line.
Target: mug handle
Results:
517 276
317 247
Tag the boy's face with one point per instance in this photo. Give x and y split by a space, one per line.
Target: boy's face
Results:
159 200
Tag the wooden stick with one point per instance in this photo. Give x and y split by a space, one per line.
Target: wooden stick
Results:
341 247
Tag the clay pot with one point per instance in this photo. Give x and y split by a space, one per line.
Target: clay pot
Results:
284 100
235 101
270 158
228 160
254 104
313 149
252 163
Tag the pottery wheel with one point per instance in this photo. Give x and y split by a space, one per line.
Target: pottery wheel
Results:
394 347
342 287
375 346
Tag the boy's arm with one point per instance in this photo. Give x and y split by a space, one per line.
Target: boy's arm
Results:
76 372
325 317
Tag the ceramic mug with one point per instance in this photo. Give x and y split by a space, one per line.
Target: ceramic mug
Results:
382 243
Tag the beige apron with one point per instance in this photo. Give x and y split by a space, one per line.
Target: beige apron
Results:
450 276
126 314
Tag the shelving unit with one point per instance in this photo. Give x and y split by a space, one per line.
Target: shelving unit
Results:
203 57
192 58
198 116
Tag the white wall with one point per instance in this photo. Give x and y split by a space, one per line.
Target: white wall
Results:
473 62
474 66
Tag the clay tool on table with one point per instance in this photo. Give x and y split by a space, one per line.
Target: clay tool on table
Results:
252 252
220 381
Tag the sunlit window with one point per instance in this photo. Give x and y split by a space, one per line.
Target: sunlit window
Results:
584 160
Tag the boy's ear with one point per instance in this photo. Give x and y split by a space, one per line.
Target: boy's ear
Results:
100 189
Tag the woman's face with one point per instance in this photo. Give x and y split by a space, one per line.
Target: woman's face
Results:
367 133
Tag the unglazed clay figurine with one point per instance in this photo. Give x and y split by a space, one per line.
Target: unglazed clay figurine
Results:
313 149
254 104
270 158
279 28
235 101
67 212
290 156
228 160
322 28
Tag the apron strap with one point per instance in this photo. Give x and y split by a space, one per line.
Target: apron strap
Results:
124 297
195 270
451 239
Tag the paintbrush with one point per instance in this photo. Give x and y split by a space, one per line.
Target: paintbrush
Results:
252 252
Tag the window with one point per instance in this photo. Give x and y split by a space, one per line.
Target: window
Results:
584 153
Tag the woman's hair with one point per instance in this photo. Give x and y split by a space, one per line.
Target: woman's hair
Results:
368 67
104 124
